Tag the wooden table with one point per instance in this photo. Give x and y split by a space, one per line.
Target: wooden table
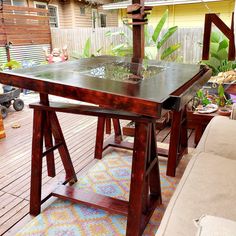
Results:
87 80
199 122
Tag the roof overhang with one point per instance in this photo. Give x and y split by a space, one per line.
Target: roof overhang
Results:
153 3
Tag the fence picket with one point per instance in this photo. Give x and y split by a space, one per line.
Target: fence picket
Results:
189 38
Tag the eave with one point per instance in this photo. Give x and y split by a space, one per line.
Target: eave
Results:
153 3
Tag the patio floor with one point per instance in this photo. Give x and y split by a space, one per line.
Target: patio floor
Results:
15 151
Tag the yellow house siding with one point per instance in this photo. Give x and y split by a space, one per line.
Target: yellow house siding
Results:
190 15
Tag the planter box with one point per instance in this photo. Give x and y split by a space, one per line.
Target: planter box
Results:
2 130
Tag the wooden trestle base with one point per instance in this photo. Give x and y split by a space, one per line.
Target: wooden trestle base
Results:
178 145
145 188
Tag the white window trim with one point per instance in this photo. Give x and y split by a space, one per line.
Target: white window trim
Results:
45 4
41 3
58 19
12 3
101 13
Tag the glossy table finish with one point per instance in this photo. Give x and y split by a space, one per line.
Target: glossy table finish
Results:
75 80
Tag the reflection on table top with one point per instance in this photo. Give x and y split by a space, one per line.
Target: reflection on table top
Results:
111 74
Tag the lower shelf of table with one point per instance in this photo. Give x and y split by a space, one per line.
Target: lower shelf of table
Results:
92 199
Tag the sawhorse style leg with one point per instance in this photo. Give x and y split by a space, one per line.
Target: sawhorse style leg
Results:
99 145
145 189
45 125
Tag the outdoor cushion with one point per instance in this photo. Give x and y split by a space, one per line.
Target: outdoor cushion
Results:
207 187
219 138
233 113
215 226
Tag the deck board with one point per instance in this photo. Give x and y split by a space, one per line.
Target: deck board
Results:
15 153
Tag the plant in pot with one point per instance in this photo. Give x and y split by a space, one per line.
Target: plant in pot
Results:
218 60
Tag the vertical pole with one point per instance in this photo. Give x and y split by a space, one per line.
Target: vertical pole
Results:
138 38
4 32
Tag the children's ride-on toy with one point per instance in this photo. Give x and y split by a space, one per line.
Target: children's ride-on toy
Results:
6 99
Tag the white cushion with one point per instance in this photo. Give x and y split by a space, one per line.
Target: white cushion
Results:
233 113
207 187
219 138
215 226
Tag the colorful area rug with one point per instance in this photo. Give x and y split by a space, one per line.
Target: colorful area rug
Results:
110 176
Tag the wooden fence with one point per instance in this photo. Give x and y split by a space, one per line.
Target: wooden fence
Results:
24 26
75 39
190 39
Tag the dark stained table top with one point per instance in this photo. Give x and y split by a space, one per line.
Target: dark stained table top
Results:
107 80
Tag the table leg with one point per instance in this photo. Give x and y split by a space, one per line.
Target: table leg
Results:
48 145
108 125
174 143
198 134
117 130
63 150
155 182
99 138
48 137
184 132
36 163
134 221
99 147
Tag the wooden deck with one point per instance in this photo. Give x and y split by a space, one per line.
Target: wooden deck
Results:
15 152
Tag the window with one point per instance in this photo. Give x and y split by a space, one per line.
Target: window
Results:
52 12
40 5
53 16
103 20
19 3
82 10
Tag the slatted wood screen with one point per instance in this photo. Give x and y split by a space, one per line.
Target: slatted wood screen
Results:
24 26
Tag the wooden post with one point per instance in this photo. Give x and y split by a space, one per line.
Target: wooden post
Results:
228 32
2 131
138 37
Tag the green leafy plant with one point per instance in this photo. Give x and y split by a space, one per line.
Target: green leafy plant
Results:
12 64
153 42
86 52
222 99
202 98
124 48
159 42
218 58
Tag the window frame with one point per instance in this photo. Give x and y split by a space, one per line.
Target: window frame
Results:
100 20
46 7
57 15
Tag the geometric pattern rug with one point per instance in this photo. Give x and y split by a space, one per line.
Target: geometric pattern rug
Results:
110 176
